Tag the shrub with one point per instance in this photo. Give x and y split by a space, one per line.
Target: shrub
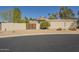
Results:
44 25
59 29
72 29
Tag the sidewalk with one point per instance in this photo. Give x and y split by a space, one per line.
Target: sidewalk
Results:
35 32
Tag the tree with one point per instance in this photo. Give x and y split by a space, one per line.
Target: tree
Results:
78 14
6 16
49 14
16 15
31 18
78 20
66 13
26 19
53 16
44 24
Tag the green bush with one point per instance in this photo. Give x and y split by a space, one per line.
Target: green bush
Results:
44 25
58 29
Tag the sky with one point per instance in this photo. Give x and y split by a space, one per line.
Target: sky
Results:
36 11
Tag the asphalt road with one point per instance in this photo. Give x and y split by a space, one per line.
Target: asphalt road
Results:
41 43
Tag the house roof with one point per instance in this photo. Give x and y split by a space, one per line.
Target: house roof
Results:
61 20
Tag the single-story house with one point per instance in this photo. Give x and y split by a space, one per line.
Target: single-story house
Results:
54 24
19 26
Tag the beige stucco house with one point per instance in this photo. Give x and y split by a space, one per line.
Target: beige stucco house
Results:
54 24
63 24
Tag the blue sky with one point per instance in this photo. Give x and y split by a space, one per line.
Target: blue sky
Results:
36 11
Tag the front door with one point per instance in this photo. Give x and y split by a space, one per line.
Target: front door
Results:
31 26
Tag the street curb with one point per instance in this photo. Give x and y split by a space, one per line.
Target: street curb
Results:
18 35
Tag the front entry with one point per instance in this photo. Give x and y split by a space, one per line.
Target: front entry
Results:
30 26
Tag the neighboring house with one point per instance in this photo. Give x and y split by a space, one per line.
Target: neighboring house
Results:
54 24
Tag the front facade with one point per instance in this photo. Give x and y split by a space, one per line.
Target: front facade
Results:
62 24
12 26
54 24
32 25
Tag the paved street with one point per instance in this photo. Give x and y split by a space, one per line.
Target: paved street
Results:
41 43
